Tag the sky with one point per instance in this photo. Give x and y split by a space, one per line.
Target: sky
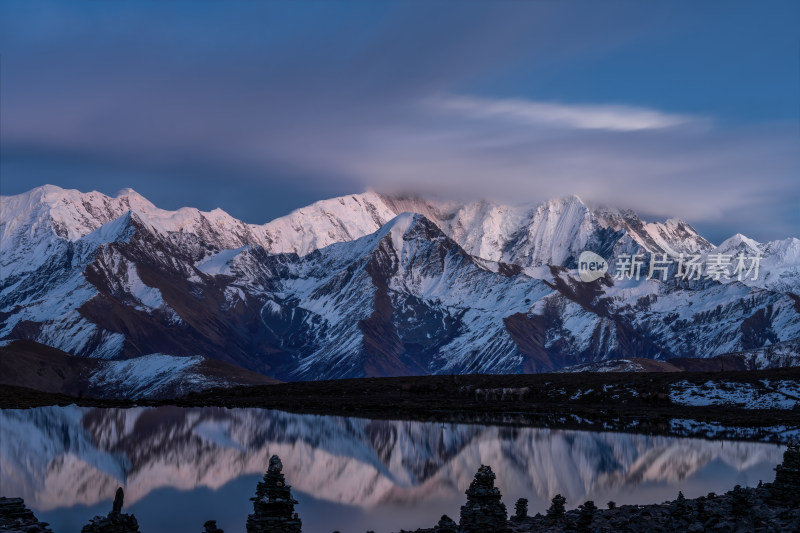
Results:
673 109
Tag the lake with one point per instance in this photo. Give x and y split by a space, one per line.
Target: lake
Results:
181 467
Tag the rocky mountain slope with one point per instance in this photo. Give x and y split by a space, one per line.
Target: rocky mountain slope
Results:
373 285
152 376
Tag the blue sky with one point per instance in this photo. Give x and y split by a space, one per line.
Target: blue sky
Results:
688 109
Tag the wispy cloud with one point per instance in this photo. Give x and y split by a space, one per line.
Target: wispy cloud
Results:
589 117
286 105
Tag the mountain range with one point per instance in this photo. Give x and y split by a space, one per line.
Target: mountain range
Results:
366 285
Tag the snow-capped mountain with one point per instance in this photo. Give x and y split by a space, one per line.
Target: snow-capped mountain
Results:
548 234
780 266
372 285
151 376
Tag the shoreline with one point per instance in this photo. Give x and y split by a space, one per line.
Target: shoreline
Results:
622 402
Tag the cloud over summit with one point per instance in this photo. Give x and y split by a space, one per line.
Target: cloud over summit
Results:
260 108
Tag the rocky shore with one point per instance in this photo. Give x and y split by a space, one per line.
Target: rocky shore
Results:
765 508
760 405
15 517
770 507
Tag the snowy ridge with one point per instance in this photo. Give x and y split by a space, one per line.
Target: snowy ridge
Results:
147 376
375 285
327 222
552 233
616 365
71 214
779 268
778 355
763 395
157 376
554 229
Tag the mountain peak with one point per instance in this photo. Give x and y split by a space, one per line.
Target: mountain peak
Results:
47 190
118 229
126 191
674 222
401 223
399 226
738 242
569 199
408 225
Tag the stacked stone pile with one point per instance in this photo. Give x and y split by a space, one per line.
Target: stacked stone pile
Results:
211 527
446 525
786 487
273 504
557 510
521 510
586 516
115 522
484 510
16 517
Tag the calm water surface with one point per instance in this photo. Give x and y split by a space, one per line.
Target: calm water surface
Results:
181 467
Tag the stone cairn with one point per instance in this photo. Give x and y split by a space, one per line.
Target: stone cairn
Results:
556 512
273 504
484 510
446 525
586 516
679 507
115 522
15 516
521 510
786 487
211 527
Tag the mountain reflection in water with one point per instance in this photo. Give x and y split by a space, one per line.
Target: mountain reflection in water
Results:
181 467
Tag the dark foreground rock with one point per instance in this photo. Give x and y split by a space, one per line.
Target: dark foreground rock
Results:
16 517
786 489
211 527
772 507
115 522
